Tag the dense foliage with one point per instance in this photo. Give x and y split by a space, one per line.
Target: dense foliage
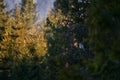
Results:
79 40
21 45
67 47
103 22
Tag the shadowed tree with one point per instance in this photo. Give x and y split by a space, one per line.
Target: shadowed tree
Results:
67 47
103 22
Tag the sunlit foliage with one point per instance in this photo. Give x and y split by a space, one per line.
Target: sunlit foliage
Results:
22 46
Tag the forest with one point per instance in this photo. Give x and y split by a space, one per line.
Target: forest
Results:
78 40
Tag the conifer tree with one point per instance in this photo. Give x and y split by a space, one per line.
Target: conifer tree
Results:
31 44
67 47
4 23
103 22
22 47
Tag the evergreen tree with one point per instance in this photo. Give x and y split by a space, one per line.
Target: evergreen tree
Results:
4 22
22 47
67 47
31 44
104 26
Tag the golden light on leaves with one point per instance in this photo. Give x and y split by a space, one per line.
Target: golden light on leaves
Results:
22 39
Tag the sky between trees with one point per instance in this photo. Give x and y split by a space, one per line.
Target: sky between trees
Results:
42 6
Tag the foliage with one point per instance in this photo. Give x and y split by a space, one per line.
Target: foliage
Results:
79 40
65 31
103 24
21 53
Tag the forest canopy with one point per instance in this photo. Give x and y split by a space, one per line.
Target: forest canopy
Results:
79 40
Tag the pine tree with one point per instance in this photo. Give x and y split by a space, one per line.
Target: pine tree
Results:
31 44
22 46
67 47
4 24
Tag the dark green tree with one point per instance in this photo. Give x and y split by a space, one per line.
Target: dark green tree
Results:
103 22
67 49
